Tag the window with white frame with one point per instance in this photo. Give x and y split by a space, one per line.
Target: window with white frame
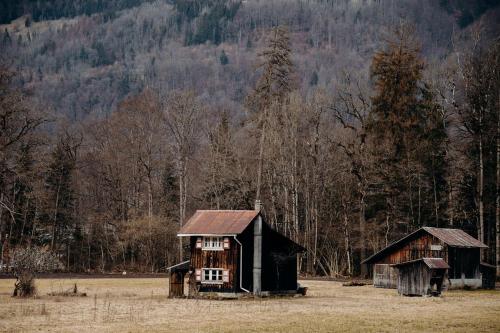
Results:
212 275
213 243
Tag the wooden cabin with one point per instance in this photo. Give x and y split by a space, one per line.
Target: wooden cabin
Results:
457 248
236 251
421 277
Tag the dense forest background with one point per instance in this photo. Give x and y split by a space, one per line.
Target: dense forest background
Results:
354 121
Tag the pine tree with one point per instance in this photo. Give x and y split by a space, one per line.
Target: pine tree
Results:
272 88
224 60
60 191
408 135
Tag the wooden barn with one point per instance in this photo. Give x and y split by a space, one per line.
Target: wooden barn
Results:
235 251
457 248
421 277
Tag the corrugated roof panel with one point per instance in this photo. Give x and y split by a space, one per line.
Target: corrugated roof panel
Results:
435 263
451 237
455 237
218 222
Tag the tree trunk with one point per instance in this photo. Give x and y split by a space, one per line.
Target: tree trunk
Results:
434 187
347 242
181 204
261 155
362 237
480 194
497 212
54 224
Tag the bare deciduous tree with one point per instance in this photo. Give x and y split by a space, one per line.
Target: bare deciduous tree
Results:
26 263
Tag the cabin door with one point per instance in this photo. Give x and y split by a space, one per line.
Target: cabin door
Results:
176 284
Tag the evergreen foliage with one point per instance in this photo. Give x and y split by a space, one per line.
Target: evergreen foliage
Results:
406 127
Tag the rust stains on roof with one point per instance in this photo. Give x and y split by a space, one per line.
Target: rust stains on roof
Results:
455 237
451 237
436 263
218 222
433 263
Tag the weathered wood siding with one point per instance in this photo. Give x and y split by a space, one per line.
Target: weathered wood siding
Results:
176 284
417 249
385 276
417 279
225 259
463 262
414 279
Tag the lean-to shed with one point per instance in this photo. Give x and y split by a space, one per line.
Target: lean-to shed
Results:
176 279
421 277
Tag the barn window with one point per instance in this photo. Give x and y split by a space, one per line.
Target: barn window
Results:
436 247
213 243
212 275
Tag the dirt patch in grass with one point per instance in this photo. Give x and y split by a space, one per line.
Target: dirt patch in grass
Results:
141 305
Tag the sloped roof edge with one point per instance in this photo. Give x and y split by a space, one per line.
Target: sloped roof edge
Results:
218 222
451 237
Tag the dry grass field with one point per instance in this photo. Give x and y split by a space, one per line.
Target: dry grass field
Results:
141 305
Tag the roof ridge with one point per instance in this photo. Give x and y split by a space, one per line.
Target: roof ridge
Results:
226 210
218 222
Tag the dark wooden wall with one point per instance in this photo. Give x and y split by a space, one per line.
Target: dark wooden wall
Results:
225 259
176 284
416 249
464 261
246 239
460 260
279 262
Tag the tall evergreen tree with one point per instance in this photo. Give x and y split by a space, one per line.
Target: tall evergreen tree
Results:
408 135
272 88
61 199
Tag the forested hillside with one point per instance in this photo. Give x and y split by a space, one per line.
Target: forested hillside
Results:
354 122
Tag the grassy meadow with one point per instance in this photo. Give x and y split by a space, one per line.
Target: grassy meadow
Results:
141 305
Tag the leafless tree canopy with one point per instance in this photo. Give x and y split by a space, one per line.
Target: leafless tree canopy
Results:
354 122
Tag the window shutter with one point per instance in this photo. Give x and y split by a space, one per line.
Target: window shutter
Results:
225 275
198 243
226 243
198 274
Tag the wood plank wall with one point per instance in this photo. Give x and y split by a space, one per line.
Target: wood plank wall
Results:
225 259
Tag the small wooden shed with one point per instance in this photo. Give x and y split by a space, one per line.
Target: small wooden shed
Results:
176 279
457 248
421 277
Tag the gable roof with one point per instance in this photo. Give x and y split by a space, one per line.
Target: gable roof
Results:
451 237
433 263
218 222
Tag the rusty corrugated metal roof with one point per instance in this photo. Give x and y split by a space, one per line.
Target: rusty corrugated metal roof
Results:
451 237
218 222
434 263
455 237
